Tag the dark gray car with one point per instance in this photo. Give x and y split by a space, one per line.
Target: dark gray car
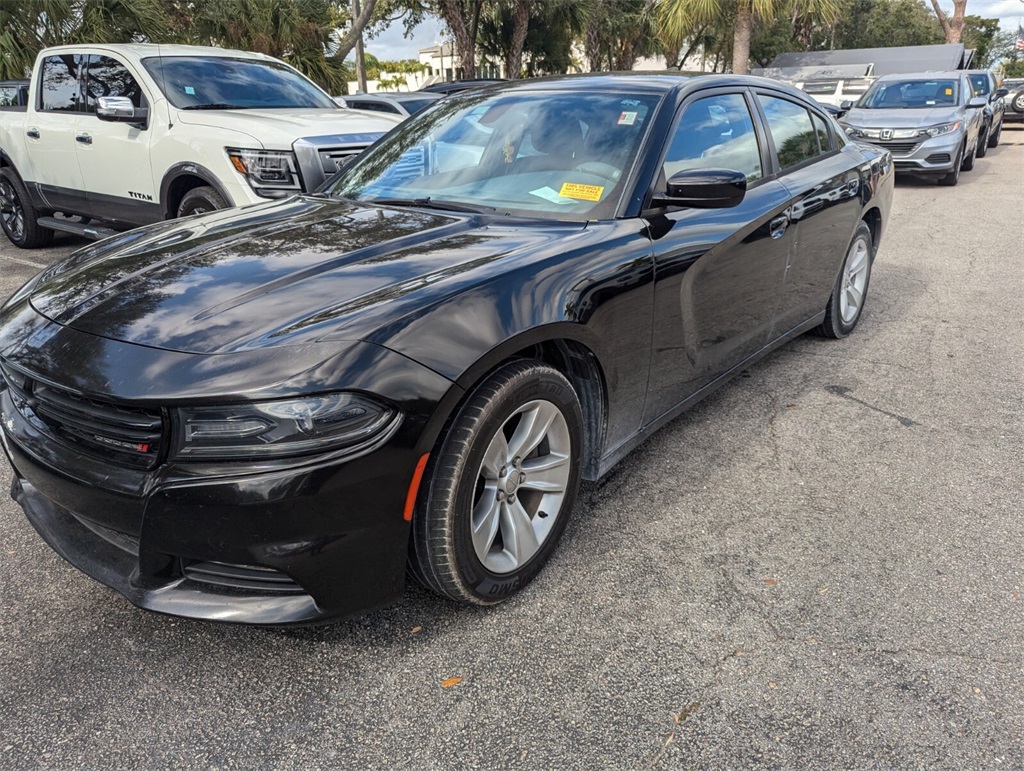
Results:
930 122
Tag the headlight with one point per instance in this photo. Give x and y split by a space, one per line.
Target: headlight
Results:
938 131
851 131
311 424
271 173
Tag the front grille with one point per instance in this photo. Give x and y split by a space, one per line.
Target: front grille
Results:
333 158
244 577
898 148
938 158
128 436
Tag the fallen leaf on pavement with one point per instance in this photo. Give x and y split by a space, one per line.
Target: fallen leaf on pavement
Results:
771 582
450 682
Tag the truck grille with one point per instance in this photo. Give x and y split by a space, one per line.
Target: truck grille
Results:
334 158
128 436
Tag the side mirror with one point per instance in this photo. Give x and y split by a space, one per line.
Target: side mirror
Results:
977 103
119 109
1001 92
704 189
846 105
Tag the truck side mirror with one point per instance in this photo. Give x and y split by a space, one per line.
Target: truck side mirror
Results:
120 109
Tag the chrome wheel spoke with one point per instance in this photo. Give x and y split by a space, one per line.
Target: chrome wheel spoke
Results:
532 428
517 533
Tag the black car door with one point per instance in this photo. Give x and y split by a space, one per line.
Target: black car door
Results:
825 187
718 272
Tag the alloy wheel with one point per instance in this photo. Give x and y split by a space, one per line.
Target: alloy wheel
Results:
521 484
855 279
12 215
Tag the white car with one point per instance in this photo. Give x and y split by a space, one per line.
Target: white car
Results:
128 135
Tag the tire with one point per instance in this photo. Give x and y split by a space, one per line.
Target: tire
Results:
480 483
1018 101
982 147
993 139
954 176
17 214
200 200
968 162
846 303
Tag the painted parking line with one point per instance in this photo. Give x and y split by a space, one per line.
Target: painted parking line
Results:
30 263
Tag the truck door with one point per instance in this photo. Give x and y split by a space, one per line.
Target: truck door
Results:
114 157
51 125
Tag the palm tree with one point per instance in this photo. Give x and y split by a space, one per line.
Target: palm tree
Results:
680 19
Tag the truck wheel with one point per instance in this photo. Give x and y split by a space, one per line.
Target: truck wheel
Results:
17 214
200 200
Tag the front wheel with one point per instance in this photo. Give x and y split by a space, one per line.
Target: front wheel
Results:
502 485
954 175
200 200
17 214
851 290
968 162
983 143
993 139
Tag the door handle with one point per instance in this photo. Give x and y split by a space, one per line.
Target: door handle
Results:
777 227
34 133
85 139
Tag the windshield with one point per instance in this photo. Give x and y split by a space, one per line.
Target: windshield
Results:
911 94
561 155
219 83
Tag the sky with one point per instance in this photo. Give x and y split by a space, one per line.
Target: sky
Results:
392 45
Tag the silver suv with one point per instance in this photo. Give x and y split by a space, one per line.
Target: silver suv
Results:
930 122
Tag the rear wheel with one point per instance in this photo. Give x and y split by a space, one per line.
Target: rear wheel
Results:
851 290
200 200
502 485
17 214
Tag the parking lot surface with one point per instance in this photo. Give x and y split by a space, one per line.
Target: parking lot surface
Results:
819 565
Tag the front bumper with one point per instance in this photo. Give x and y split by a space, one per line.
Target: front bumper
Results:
935 156
283 542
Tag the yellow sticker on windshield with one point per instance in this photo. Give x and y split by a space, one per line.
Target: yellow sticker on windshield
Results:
581 192
949 92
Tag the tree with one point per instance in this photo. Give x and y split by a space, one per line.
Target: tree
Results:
952 27
681 17
462 17
618 32
874 24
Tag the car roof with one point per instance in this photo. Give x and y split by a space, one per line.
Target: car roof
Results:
948 75
146 50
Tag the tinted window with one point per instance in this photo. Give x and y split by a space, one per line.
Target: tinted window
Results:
715 132
980 84
58 88
792 131
8 96
415 105
824 143
108 77
219 83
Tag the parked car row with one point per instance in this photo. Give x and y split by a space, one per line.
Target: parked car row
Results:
270 414
935 124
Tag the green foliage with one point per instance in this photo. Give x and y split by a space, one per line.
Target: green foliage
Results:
882 23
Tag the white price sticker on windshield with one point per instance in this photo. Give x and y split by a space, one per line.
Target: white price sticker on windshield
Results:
627 118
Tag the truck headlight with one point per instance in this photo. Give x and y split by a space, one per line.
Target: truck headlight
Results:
938 131
274 429
270 173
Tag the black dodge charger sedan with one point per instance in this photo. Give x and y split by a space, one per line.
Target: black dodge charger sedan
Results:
266 415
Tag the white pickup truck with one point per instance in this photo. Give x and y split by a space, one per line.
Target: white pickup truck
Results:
117 136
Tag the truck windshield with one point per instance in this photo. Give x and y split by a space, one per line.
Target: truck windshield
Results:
559 155
220 83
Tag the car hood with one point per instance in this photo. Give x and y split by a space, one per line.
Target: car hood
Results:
277 274
278 129
898 119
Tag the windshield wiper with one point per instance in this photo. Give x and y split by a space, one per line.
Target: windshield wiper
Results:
429 203
214 106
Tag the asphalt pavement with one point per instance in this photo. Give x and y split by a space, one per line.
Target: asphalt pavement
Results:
818 566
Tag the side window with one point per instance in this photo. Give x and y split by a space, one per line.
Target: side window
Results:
792 130
715 132
59 88
824 143
108 77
